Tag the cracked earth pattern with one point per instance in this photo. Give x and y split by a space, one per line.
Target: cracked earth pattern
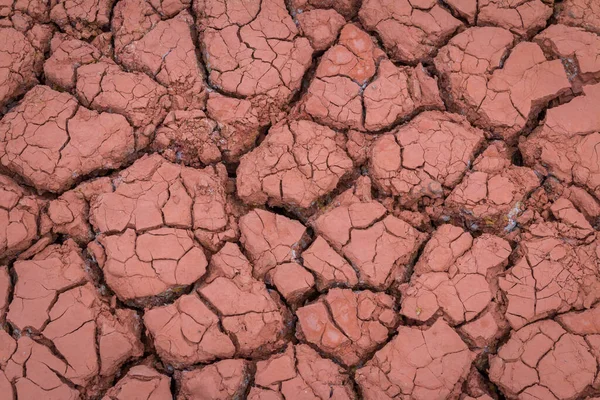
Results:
299 199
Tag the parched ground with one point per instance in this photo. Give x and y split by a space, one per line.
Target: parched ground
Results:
300 200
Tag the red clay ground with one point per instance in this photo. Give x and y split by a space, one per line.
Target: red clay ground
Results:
300 199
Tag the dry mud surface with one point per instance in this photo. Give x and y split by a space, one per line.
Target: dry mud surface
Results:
300 199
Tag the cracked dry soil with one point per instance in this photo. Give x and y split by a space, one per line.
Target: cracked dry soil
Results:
299 199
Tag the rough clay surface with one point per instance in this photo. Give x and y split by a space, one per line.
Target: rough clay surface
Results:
299 199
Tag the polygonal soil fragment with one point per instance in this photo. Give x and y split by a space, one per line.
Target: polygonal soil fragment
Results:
164 50
158 262
564 145
576 48
426 157
556 272
410 31
426 364
19 65
19 211
34 372
321 27
543 361
41 280
253 48
300 370
69 213
105 87
347 325
521 18
187 332
380 247
226 131
239 123
296 164
456 276
154 193
227 379
582 13
501 96
251 314
491 196
51 141
356 87
329 268
270 239
82 18
67 55
143 383
79 322
53 299
292 281
348 8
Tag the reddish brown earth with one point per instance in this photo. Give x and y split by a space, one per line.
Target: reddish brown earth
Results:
299 199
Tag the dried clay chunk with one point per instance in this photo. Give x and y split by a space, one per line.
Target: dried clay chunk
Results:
426 157
19 212
500 96
410 31
522 18
82 18
51 141
158 262
321 27
253 48
270 239
300 369
379 246
555 273
455 275
347 325
141 382
223 380
296 164
576 48
52 297
544 361
564 144
231 313
356 87
491 196
154 193
581 13
19 65
163 49
421 364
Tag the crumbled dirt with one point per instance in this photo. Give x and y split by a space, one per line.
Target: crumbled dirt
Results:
299 199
